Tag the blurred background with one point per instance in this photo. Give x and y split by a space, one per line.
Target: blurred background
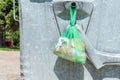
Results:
9 27
9 40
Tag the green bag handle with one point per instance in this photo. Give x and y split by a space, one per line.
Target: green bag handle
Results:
73 13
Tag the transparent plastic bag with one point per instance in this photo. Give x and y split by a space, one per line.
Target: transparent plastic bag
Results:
70 45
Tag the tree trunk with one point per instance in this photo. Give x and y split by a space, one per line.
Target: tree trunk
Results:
3 38
12 39
0 38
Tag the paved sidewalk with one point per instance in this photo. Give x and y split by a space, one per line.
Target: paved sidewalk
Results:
9 65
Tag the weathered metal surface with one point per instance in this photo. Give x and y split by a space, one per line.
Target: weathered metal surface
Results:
39 34
98 57
106 34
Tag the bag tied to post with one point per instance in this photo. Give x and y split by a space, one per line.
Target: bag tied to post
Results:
70 45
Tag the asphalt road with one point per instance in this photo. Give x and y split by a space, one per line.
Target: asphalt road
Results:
9 65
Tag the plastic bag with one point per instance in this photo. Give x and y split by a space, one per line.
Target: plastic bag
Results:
70 45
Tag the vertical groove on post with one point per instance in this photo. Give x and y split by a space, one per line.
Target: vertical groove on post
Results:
24 64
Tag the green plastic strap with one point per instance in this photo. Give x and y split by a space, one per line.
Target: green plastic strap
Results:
73 12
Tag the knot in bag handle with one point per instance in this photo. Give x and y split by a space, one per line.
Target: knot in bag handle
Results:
73 13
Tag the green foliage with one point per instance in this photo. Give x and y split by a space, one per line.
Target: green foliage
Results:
6 15
9 48
2 20
7 23
16 38
8 35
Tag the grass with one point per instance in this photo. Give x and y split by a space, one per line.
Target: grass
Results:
10 49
